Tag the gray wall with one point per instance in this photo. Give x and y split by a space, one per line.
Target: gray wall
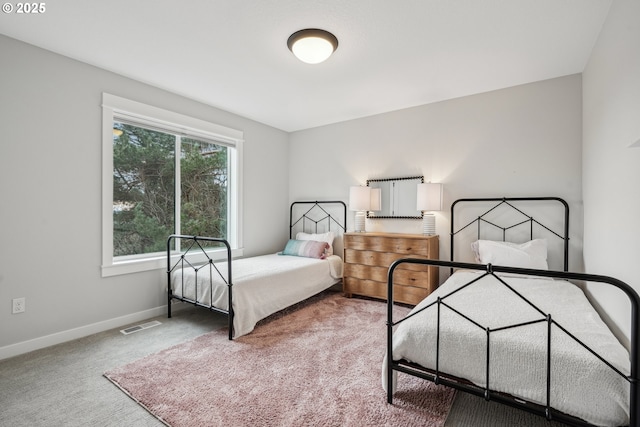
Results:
611 91
521 141
50 182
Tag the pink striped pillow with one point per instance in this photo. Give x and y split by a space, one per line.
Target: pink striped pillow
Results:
305 248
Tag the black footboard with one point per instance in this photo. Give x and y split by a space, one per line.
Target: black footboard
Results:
192 253
547 410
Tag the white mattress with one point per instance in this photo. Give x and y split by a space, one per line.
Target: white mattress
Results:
581 385
262 285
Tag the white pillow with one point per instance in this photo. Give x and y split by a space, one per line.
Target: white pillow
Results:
322 237
531 254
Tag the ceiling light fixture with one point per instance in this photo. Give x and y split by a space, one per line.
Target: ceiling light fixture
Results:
312 45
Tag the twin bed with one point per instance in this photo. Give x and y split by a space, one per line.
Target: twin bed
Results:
249 289
506 328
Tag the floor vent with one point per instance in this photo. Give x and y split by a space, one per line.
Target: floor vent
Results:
140 327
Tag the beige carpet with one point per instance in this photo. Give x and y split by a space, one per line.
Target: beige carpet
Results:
317 363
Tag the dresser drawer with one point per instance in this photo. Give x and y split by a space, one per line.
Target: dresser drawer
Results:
384 259
371 288
419 278
399 245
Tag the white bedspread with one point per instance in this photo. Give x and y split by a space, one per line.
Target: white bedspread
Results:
262 285
581 385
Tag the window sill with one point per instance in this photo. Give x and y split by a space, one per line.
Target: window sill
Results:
160 262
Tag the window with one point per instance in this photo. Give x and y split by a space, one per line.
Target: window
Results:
164 173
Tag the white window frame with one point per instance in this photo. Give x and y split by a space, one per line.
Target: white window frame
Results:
114 108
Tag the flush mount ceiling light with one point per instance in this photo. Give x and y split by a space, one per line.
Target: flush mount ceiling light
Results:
312 45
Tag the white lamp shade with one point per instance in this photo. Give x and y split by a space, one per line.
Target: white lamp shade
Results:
429 197
376 199
359 198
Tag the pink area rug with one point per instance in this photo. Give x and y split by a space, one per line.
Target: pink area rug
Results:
315 364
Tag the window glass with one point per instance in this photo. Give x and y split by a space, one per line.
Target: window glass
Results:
145 203
204 189
143 189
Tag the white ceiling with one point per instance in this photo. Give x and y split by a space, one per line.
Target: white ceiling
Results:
232 54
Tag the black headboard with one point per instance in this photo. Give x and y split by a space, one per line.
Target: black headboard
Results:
318 217
503 216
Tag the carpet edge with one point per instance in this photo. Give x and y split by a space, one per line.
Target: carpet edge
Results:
138 402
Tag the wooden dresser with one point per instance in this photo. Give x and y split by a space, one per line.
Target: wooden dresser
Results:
367 257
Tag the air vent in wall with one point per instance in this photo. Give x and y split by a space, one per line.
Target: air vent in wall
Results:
140 327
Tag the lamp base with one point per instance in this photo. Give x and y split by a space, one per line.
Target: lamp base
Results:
360 221
428 224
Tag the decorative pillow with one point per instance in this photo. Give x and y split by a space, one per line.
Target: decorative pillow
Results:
531 254
305 248
321 237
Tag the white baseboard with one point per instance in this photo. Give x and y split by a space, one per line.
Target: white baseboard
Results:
83 331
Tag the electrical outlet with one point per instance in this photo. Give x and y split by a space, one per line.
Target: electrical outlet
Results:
19 305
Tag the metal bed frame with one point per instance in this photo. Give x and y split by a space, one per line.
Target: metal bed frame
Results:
439 377
197 247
